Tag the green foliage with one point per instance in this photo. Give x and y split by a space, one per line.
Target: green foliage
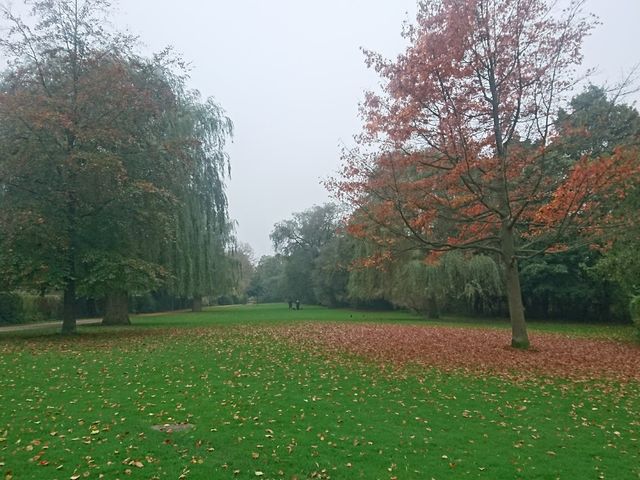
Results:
41 308
108 272
306 242
456 284
330 275
621 263
367 285
268 282
11 308
242 269
199 257
564 286
596 124
634 308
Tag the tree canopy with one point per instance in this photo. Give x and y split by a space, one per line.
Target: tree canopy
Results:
111 171
461 149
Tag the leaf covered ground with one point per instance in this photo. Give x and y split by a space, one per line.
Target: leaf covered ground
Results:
314 400
475 351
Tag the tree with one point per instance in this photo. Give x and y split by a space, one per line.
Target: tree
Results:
268 282
204 234
597 123
468 284
111 171
581 284
243 269
331 270
301 240
458 150
130 234
564 286
74 112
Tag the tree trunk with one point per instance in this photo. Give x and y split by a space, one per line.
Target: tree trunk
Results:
433 312
117 309
69 309
519 337
196 303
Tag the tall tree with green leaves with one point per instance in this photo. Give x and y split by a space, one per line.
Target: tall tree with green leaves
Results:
199 259
301 240
79 150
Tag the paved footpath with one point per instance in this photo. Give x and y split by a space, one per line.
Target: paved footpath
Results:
38 326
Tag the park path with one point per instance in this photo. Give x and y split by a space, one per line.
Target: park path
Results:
43 325
84 321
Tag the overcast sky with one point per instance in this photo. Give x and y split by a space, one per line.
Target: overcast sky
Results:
290 74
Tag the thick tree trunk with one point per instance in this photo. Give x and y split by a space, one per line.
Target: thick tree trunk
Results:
196 303
69 309
519 337
117 309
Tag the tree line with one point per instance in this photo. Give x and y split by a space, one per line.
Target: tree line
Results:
477 185
112 171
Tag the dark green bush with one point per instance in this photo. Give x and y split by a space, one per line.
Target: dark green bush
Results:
225 300
634 307
41 308
11 308
143 304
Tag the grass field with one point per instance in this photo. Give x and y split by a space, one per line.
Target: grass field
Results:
277 394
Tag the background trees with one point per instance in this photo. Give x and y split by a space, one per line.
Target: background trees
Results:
461 150
302 240
268 282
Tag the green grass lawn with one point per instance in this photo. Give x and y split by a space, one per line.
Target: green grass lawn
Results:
83 407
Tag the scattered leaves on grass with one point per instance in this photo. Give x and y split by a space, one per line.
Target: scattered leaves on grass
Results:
311 400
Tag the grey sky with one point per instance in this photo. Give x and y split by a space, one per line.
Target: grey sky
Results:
290 74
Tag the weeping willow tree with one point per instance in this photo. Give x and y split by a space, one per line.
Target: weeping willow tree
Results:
367 285
420 287
456 283
191 234
199 259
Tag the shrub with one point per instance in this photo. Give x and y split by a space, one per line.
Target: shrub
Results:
634 307
11 308
143 304
41 308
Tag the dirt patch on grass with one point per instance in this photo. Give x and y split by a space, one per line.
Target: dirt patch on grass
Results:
474 350
172 427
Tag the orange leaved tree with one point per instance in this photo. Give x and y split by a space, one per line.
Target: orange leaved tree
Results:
460 151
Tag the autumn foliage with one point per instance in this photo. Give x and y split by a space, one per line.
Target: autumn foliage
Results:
476 351
461 149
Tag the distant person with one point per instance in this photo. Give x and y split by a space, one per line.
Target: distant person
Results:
297 304
290 304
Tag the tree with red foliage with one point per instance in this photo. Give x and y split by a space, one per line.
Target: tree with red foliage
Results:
460 150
